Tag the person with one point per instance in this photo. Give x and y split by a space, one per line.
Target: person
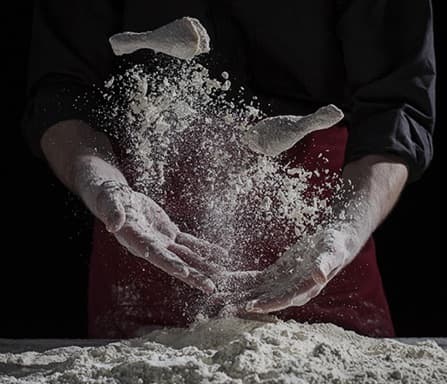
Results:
374 59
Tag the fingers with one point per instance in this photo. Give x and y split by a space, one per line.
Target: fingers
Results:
328 266
156 253
193 259
278 300
239 311
267 304
209 251
171 263
110 210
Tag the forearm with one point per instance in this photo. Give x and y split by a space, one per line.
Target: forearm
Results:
377 182
73 146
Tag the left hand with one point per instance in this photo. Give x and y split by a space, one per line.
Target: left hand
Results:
298 275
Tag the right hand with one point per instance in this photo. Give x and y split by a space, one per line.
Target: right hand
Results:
144 228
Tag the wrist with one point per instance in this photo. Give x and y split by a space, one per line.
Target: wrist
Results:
91 174
355 224
74 149
343 239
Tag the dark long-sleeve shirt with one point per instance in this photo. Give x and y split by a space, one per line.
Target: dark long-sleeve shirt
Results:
374 58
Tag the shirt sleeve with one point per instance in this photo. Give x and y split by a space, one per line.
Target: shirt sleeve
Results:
390 67
69 55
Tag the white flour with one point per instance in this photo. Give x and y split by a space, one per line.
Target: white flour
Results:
189 146
179 127
235 351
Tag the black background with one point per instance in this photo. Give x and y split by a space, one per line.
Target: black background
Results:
46 231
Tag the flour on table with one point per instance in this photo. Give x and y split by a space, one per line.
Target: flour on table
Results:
183 139
235 351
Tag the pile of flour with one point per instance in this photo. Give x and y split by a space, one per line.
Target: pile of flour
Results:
235 351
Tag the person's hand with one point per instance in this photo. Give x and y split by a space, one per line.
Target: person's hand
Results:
143 227
297 276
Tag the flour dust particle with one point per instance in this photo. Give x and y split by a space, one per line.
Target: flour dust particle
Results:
178 126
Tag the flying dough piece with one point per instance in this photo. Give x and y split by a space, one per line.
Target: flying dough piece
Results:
183 38
277 134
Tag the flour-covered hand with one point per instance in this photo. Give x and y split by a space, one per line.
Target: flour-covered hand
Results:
299 274
143 227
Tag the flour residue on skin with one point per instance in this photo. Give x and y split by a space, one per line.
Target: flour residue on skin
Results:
235 351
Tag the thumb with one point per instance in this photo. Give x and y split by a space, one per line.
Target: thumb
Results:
110 210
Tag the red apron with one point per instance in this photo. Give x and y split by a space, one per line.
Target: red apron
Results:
126 293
